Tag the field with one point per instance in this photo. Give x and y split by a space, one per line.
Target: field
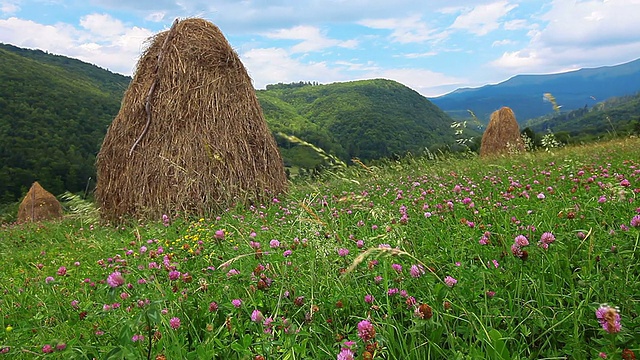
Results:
530 257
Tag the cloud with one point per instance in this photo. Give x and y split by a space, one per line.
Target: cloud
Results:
312 39
426 82
9 7
483 19
502 43
99 39
578 34
275 65
410 29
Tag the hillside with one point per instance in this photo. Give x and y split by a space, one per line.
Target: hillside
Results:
619 115
54 112
366 119
524 93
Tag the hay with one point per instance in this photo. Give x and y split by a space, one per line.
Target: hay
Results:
190 137
39 205
502 135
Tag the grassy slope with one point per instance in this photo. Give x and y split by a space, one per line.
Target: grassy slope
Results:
543 306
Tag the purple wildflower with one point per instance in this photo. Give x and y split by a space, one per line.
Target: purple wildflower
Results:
609 318
366 331
115 279
174 323
256 316
450 281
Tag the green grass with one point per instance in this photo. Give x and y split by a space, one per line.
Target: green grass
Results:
329 273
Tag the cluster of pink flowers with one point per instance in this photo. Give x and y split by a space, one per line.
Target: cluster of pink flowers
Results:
546 239
115 279
609 318
366 330
516 249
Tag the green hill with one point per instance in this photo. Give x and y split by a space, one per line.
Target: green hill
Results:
55 111
366 119
616 116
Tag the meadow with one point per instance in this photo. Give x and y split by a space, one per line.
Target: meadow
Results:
534 256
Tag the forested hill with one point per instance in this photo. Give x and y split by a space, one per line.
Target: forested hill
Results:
54 112
366 119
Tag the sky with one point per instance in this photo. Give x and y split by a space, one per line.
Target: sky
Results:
431 46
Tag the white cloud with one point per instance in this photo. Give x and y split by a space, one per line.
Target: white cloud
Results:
411 29
275 65
99 39
578 34
483 19
156 16
418 55
9 7
502 42
517 24
312 39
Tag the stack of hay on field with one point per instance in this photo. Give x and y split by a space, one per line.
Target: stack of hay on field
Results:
38 205
190 137
502 135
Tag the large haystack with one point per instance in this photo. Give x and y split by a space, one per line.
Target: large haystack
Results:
502 135
190 136
38 205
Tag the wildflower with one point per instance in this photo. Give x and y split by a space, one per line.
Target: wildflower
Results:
494 262
416 271
174 323
377 279
602 199
287 253
516 251
628 354
49 279
62 271
360 243
345 354
135 337
609 318
490 294
521 240
236 302
165 220
213 306
74 304
397 267
61 346
366 331
392 291
411 301
423 312
602 355
450 281
47 349
343 252
232 272
274 244
256 316
115 279
547 238
635 221
219 234
174 275
369 298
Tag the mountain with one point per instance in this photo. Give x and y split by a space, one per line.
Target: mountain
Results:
524 93
55 111
367 119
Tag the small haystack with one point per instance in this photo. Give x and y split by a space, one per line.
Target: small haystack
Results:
502 135
190 137
38 205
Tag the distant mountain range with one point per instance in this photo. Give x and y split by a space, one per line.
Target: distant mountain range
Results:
524 93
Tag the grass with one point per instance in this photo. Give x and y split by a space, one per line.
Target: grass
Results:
411 259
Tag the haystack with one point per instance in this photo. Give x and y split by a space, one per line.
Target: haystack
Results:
190 137
38 205
502 135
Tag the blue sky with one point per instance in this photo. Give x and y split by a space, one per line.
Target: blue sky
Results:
433 47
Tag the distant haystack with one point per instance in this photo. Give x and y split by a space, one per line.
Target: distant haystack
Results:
502 135
190 136
38 205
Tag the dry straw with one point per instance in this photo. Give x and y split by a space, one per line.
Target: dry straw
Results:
39 204
502 135
190 137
